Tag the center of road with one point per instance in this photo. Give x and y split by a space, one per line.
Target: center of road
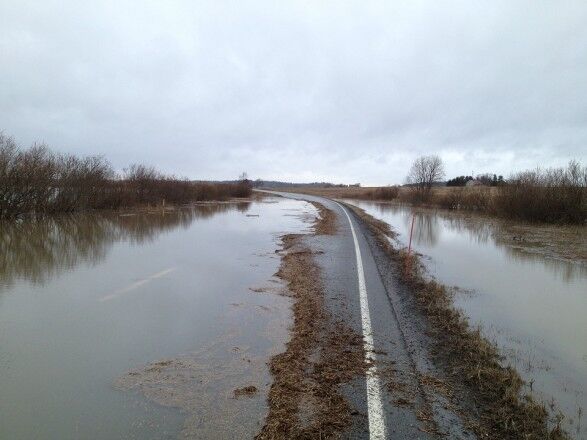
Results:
374 400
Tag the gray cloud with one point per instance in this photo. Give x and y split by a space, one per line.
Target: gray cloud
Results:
303 91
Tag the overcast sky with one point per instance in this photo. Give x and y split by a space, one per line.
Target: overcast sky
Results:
337 91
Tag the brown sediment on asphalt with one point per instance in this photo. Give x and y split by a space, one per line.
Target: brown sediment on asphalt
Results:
208 391
499 408
214 386
249 390
305 399
326 224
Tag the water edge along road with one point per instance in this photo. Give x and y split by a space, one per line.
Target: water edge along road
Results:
361 290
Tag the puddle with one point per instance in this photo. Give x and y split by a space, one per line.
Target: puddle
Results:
165 296
531 303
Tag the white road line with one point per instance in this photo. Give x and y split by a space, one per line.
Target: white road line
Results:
374 400
136 285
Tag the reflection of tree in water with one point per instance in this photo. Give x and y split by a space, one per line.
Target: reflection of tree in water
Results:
483 231
38 249
426 226
34 249
478 231
426 229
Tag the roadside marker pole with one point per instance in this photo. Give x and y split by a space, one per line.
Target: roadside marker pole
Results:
409 257
411 232
374 400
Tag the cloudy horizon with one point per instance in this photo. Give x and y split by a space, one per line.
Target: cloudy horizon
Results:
299 91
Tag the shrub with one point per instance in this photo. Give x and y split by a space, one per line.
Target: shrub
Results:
555 195
37 180
384 193
476 199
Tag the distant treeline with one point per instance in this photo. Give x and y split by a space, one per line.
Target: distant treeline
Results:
552 195
482 179
38 180
275 184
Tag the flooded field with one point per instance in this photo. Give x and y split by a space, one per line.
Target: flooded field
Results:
142 325
529 297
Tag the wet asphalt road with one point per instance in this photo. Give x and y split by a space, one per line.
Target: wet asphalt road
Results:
389 399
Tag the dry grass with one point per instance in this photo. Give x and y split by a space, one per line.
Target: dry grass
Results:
552 195
305 401
471 360
327 222
537 198
386 193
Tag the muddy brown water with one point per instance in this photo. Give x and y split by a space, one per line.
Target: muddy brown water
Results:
142 325
528 301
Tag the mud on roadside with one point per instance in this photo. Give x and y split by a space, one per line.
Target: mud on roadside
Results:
305 399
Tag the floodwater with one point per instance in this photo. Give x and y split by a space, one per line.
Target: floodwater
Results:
533 306
89 300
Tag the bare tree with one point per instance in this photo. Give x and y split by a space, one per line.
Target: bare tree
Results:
425 171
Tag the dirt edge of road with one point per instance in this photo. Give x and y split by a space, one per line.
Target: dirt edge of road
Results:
305 400
326 223
472 363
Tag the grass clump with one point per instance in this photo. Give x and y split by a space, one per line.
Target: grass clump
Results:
247 391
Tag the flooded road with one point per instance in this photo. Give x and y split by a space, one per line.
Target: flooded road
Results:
88 300
533 306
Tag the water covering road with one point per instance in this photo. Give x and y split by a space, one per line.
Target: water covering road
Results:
86 298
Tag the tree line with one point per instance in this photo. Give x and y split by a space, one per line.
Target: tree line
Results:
552 195
38 180
483 179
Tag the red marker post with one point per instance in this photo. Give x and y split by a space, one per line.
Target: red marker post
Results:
408 261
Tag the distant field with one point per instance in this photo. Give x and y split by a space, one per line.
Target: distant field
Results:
402 194
366 193
563 204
